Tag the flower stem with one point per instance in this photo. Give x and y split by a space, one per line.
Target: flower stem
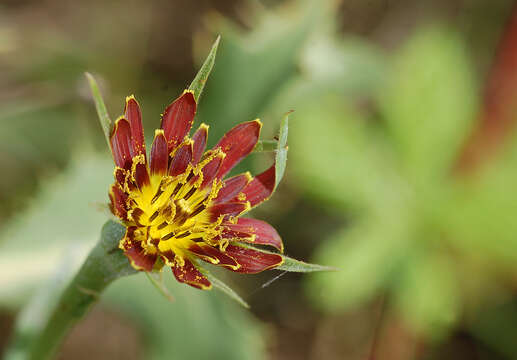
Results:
43 324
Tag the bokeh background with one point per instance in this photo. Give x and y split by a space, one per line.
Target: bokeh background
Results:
402 171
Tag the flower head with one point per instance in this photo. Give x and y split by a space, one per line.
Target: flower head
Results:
178 206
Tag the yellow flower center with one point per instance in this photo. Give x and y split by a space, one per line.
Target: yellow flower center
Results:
170 213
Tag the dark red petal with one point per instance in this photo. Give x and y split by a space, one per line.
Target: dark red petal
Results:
232 187
136 254
261 187
177 119
121 143
210 169
141 175
264 233
213 255
134 117
181 159
253 261
237 144
169 255
230 209
159 154
118 200
190 275
120 176
199 138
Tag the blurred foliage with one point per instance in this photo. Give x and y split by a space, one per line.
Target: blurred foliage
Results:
55 227
433 241
374 140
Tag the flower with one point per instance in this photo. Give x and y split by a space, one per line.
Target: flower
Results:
178 207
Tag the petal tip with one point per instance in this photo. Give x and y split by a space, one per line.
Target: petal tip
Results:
130 97
117 122
189 95
188 91
259 123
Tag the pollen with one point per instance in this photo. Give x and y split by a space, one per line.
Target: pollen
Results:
170 213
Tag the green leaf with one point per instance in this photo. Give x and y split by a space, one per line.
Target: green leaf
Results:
337 156
160 286
429 102
350 65
428 293
293 265
225 288
281 150
290 264
199 81
367 255
483 209
102 112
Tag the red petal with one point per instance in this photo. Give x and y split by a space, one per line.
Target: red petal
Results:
237 144
177 119
230 209
232 187
120 176
181 159
199 139
159 154
253 261
190 275
136 254
134 116
121 143
118 202
264 233
141 175
213 255
210 169
261 187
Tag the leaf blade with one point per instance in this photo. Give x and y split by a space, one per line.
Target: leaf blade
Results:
289 264
293 265
281 150
199 81
160 286
221 286
102 111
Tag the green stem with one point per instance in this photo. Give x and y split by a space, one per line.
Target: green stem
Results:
104 264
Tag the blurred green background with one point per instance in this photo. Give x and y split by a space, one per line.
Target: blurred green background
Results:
402 171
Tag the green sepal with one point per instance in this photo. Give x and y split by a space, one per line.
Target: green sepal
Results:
218 284
289 264
199 81
102 112
293 265
281 150
159 285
